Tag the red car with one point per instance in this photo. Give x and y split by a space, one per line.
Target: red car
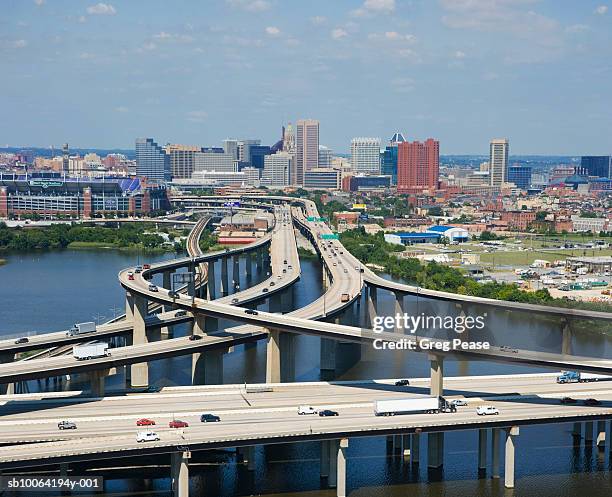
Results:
130 276
177 423
146 266
145 422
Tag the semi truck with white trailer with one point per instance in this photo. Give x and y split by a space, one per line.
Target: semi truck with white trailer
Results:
429 405
578 377
90 351
81 328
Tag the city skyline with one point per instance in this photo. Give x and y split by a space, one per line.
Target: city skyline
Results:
206 72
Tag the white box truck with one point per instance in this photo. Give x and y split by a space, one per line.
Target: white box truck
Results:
90 351
430 405
80 328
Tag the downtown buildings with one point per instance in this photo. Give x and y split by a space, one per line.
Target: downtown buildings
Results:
152 161
418 166
365 155
498 162
306 149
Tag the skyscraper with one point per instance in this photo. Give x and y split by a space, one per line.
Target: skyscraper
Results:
325 156
65 158
597 165
230 146
244 150
306 149
214 159
182 159
289 139
418 166
520 176
276 169
152 161
498 161
365 155
388 157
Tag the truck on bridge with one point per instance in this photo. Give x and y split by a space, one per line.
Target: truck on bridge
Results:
577 377
430 405
80 328
90 351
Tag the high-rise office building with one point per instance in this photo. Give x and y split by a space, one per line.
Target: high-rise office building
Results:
325 156
597 165
257 154
365 155
306 149
182 159
388 157
498 161
214 159
289 139
418 166
152 160
520 176
230 146
244 149
277 168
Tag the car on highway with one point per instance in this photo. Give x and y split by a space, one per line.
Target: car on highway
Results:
235 300
265 290
458 402
251 312
284 270
568 400
145 422
209 418
195 337
346 270
138 269
302 410
271 283
179 314
487 411
146 266
130 276
22 340
592 402
177 423
153 288
335 264
328 412
402 383
66 425
147 436
173 295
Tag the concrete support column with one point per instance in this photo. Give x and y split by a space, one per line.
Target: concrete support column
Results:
399 309
566 344
167 284
372 304
406 451
435 450
577 431
509 469
249 457
588 433
180 473
287 356
212 294
436 387
7 388
207 367
96 380
332 479
415 448
64 469
601 434
495 437
224 277
140 371
260 257
249 265
273 371
324 458
482 450
341 468
328 354
236 271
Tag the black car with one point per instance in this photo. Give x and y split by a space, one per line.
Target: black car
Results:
271 283
402 383
209 418
328 412
173 295
22 340
195 337
251 312
567 400
592 402
265 290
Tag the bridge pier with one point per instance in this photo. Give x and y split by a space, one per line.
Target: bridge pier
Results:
436 387
138 307
566 343
372 303
577 432
249 266
179 473
236 271
327 357
96 381
224 277
212 294
399 309
415 448
482 450
588 433
7 388
332 479
495 437
341 468
324 470
435 441
206 367
280 357
601 434
167 284
511 433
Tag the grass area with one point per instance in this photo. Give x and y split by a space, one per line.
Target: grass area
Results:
527 257
107 245
91 245
306 254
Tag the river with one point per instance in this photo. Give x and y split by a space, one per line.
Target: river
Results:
46 291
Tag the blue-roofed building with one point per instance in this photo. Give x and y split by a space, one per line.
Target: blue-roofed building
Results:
412 238
453 233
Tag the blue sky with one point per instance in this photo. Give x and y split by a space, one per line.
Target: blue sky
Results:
463 71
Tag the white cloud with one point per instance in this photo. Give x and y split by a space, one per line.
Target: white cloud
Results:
392 36
197 116
338 33
82 19
121 109
459 54
19 44
577 28
250 5
86 56
402 85
601 10
379 5
39 2
318 20
162 36
148 46
273 31
102 9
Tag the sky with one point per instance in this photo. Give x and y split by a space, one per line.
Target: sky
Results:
98 75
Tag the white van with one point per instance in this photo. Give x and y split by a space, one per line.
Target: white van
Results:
147 436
